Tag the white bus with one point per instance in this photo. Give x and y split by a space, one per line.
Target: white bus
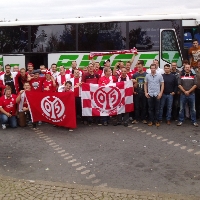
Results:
163 37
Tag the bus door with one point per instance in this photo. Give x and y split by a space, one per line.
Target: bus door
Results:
169 48
14 60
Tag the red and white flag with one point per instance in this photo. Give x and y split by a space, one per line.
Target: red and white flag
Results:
108 100
53 107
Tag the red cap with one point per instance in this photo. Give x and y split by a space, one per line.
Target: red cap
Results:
30 64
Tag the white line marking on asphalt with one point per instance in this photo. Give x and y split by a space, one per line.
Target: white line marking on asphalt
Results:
134 127
40 133
170 142
183 147
142 132
160 137
61 151
66 158
190 150
130 126
65 154
49 141
154 135
103 185
96 181
176 145
80 168
75 164
91 176
197 153
43 137
139 129
71 161
164 140
52 143
85 172
149 133
47 138
55 146
59 148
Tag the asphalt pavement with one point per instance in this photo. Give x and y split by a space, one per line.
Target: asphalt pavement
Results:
164 159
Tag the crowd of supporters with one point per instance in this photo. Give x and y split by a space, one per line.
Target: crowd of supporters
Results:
158 93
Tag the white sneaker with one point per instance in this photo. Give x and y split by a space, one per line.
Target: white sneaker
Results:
3 126
39 123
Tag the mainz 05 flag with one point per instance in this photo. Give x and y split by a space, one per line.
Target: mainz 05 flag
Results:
108 100
53 107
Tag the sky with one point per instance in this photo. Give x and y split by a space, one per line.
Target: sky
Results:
58 9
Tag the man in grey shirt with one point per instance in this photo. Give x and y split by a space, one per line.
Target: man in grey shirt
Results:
187 83
153 87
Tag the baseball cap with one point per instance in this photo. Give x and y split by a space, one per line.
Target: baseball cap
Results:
30 64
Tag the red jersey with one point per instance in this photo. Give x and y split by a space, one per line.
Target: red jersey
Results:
36 84
99 72
90 78
9 104
76 90
106 80
48 84
130 74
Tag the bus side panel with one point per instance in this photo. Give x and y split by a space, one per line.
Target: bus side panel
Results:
82 59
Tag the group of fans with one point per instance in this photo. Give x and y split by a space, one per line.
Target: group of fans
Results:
167 92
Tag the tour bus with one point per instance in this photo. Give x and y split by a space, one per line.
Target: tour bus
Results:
164 37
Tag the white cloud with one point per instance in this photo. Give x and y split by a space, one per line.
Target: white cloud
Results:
51 9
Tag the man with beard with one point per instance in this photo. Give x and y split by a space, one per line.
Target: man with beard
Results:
124 117
194 54
8 109
23 109
187 83
140 100
9 78
72 68
90 77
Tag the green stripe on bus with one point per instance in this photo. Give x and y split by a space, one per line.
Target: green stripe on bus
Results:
147 56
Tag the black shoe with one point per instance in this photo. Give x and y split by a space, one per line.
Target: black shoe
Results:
105 123
125 124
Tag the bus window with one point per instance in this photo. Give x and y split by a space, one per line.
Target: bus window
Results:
170 50
190 34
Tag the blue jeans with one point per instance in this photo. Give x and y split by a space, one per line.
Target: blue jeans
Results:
154 105
191 102
168 99
12 121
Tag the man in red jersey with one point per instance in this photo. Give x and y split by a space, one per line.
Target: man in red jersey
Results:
128 69
62 78
124 117
107 78
49 84
8 109
36 82
91 76
104 80
97 68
